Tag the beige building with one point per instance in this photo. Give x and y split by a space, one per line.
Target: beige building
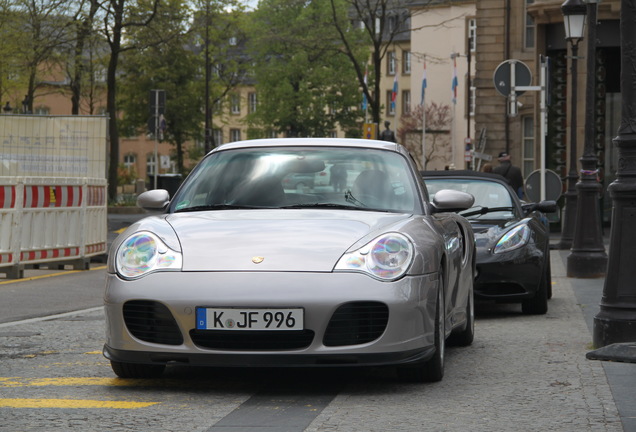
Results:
443 38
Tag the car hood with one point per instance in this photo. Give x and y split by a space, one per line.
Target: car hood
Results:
282 240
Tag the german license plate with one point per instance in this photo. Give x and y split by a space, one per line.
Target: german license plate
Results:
249 319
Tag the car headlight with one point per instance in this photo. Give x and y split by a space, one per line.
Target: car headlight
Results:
387 257
143 253
513 239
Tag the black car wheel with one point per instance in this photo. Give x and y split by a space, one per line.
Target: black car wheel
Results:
136 370
433 369
538 305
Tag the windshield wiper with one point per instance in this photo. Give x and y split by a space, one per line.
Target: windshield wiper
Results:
484 210
216 207
351 199
320 205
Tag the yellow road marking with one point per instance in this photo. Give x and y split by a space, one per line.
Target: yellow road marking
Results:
120 230
49 275
75 381
13 382
71 403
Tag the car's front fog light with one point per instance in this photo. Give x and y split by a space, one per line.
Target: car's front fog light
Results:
144 252
387 257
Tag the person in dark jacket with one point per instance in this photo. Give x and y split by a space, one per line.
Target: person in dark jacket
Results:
387 134
510 172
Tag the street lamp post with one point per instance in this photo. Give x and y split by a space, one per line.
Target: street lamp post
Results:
574 12
588 258
616 320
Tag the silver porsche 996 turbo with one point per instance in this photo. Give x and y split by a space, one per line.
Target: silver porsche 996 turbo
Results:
293 252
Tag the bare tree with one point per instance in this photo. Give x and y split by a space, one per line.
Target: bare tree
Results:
378 23
438 120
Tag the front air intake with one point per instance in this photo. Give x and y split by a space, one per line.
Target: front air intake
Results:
151 321
356 323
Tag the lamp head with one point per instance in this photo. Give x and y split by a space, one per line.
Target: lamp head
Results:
574 13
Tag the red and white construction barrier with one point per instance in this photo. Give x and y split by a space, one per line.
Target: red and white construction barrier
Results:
46 220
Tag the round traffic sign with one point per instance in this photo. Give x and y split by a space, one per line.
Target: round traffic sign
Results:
503 74
553 186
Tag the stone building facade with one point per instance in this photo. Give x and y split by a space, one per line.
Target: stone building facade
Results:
529 30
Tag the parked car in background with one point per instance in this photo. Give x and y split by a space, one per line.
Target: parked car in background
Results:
238 271
512 238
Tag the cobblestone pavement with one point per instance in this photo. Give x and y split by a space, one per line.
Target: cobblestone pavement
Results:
523 373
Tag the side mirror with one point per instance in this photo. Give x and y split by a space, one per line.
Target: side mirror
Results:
448 200
154 200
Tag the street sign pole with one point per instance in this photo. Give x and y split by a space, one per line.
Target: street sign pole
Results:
501 84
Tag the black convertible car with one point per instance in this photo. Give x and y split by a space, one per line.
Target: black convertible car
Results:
512 238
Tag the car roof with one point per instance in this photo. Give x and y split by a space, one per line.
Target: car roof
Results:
468 174
314 142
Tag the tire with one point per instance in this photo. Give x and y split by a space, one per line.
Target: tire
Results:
467 335
431 370
538 305
136 370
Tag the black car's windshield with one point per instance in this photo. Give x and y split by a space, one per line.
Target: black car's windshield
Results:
491 197
300 177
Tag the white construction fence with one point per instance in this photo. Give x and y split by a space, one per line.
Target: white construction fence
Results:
53 198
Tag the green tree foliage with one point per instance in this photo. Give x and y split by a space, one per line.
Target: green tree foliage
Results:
170 66
35 31
219 27
304 84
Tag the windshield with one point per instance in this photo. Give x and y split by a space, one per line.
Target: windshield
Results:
303 177
487 194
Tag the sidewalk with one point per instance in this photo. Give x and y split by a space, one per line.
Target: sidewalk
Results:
621 377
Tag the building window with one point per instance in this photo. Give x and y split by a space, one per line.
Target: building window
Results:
406 101
529 27
251 102
390 64
472 34
218 136
235 135
130 160
406 62
100 74
235 103
390 108
42 110
391 24
528 145
472 95
150 164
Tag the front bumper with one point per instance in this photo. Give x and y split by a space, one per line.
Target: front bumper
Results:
407 335
269 360
508 277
